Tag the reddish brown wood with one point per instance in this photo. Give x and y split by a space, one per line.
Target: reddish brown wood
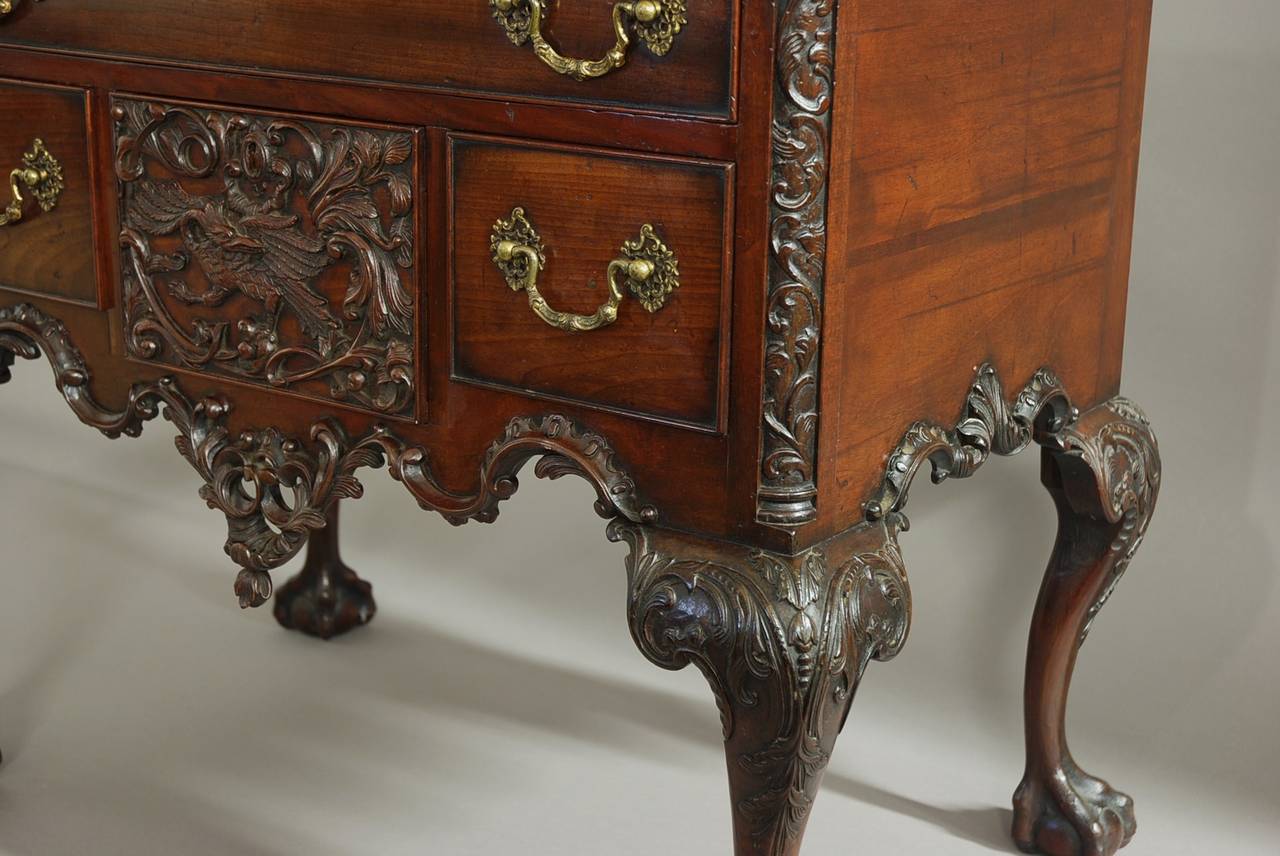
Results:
1104 476
783 642
49 252
455 46
667 365
982 206
326 598
868 200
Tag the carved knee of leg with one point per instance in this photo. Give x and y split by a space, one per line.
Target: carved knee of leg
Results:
783 641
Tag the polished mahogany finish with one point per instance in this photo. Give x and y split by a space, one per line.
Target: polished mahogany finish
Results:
741 282
444 45
584 205
53 253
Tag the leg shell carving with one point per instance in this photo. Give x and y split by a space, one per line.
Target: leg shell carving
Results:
1103 470
783 642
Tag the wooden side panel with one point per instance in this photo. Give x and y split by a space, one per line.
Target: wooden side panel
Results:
670 364
48 253
454 45
982 191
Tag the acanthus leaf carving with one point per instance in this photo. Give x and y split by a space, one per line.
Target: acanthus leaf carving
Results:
782 640
275 490
234 228
1113 441
787 492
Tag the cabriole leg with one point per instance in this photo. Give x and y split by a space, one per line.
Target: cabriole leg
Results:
327 598
6 362
783 641
1103 474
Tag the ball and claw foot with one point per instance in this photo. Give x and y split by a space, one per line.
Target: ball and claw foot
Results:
327 598
1073 814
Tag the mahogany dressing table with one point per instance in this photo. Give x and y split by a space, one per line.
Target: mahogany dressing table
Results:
748 269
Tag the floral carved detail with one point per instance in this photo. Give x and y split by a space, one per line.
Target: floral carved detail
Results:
1115 445
1103 469
270 249
989 425
783 642
275 490
798 243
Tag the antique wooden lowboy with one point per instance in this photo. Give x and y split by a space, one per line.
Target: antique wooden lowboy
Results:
747 269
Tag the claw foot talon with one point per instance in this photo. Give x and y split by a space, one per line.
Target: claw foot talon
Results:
325 605
1073 814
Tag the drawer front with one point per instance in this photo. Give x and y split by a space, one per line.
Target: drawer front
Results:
48 248
274 250
456 44
539 234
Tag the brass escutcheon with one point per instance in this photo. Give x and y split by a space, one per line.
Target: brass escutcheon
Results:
41 174
646 267
656 22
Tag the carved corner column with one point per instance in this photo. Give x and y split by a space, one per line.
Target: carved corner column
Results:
326 598
783 642
1104 476
1102 469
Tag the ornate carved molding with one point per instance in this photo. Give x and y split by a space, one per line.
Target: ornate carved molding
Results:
1116 455
787 490
237 230
276 490
783 642
989 425
1114 440
27 332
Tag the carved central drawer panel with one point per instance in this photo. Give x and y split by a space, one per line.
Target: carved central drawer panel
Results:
274 250
662 55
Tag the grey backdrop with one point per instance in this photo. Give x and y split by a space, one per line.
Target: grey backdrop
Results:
497 705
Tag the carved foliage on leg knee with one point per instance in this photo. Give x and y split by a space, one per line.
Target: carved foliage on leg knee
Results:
1110 465
783 641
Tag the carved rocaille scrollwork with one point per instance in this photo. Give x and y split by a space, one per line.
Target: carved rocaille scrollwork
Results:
276 490
1103 469
783 641
989 425
1115 447
798 242
1122 450
237 229
27 332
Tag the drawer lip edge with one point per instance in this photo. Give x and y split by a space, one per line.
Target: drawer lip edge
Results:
717 425
723 115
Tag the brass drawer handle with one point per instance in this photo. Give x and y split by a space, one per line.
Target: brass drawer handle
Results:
646 267
656 22
40 173
6 6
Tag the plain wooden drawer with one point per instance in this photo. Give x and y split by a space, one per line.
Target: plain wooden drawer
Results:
47 252
453 44
667 364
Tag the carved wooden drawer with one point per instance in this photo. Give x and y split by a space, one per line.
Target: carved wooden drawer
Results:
46 244
592 277
738 277
677 57
270 249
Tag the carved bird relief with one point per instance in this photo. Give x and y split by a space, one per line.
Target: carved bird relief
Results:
242 247
262 207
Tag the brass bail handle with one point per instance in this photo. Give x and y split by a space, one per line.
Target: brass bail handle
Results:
655 22
41 174
6 6
645 267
